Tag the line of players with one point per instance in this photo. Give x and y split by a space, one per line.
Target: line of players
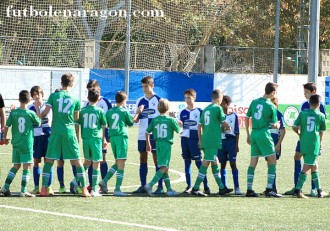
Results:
189 118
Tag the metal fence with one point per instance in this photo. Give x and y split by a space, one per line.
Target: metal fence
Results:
149 56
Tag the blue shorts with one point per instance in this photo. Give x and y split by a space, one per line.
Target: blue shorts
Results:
40 145
228 153
190 149
276 139
142 145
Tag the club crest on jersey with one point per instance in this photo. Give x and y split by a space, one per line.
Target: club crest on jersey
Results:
148 111
190 123
195 115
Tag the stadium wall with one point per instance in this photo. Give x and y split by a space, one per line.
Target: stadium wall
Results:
15 79
243 88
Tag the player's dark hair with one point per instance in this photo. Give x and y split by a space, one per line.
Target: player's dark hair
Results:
314 100
36 90
163 105
310 86
67 80
227 99
270 87
190 92
93 83
216 94
24 96
120 96
93 95
148 80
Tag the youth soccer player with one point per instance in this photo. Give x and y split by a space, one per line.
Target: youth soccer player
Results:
277 135
263 114
209 140
2 119
149 102
22 122
41 136
310 126
230 148
162 127
189 117
92 120
309 90
118 119
64 137
105 105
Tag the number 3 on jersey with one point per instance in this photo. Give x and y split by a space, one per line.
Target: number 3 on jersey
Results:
257 115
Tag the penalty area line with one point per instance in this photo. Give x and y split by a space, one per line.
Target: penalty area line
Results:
86 218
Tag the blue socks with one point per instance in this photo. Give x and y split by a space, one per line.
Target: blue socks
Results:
104 170
223 173
143 173
187 170
235 177
297 170
36 175
199 164
60 176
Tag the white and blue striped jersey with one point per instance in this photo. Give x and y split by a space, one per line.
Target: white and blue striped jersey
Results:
190 120
276 131
149 112
103 103
305 106
232 120
44 128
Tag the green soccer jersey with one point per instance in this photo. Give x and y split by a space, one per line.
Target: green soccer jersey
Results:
311 123
163 127
63 105
22 122
91 120
211 120
118 119
263 113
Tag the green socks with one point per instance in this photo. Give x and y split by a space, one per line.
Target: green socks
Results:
11 175
119 179
216 174
46 174
156 178
271 175
250 177
167 182
25 180
95 179
301 180
316 180
201 175
110 173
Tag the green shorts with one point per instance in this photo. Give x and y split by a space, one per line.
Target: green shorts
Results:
119 147
163 149
309 159
93 149
22 157
210 154
63 144
262 144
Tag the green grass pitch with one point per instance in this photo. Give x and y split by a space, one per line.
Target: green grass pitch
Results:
68 212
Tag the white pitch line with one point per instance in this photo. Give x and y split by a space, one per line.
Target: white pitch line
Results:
181 179
87 218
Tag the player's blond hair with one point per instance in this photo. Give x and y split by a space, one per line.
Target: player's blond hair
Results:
163 106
